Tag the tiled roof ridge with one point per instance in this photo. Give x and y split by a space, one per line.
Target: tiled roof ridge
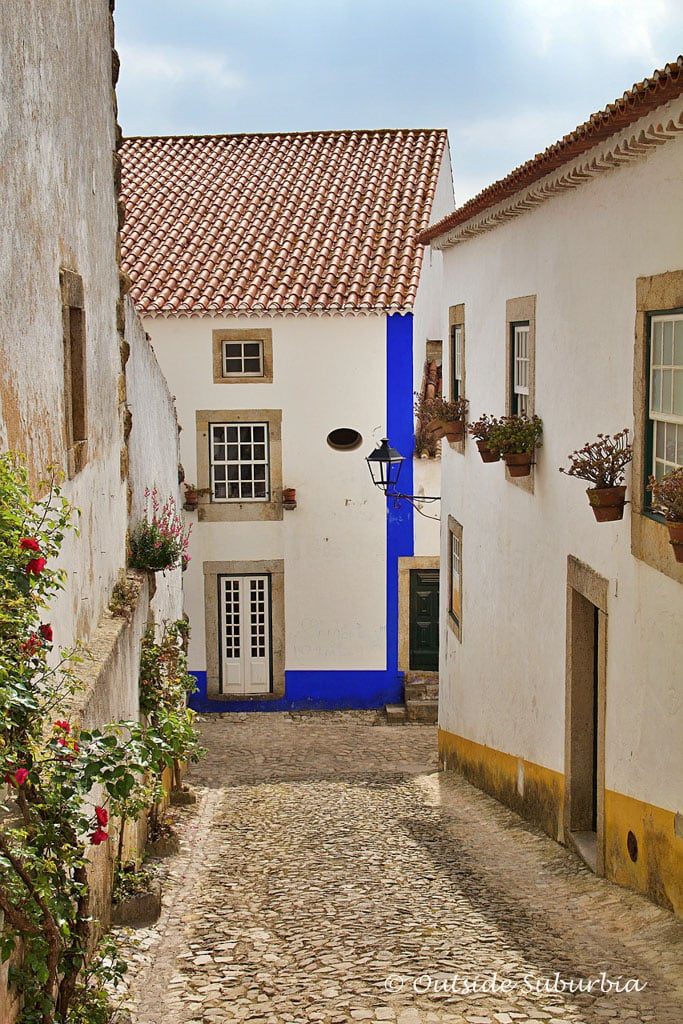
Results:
284 135
662 86
288 223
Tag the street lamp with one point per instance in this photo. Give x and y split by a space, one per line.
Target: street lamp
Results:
385 464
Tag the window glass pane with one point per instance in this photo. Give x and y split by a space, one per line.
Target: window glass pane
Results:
231 433
659 440
656 395
670 447
233 366
657 343
233 350
678 393
252 366
668 354
252 348
678 343
667 382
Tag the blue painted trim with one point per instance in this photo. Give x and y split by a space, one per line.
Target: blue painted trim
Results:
333 690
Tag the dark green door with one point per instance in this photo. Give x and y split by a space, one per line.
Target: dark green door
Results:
424 619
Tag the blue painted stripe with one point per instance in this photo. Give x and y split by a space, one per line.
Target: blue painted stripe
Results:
334 690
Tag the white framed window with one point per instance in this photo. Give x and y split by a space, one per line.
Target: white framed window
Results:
456 576
240 461
456 349
520 369
242 358
666 392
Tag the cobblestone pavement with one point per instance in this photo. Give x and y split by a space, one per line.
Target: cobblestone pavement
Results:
326 854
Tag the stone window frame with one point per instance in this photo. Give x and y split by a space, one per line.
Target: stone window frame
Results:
74 334
520 310
262 334
212 571
456 318
239 511
454 530
658 293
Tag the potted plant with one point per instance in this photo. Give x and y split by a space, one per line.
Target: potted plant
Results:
159 541
480 430
516 438
289 498
602 463
192 496
667 499
446 419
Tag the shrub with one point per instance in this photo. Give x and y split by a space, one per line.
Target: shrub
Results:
602 462
513 435
667 495
159 541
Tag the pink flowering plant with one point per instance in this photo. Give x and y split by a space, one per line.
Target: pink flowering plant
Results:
602 462
160 541
667 495
60 785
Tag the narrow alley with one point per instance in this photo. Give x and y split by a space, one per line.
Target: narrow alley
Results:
329 872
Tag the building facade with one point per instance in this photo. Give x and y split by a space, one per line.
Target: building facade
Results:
290 307
561 676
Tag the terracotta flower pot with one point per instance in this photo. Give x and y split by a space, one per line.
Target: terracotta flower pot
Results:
519 463
607 503
487 455
289 497
191 499
452 430
676 538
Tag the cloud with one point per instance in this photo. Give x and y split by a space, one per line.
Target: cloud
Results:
176 65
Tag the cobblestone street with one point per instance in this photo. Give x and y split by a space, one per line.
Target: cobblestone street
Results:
329 873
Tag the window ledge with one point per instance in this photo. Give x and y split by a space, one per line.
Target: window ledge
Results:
650 544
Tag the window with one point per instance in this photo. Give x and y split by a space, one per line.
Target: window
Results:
457 390
242 358
665 409
344 439
520 369
239 461
75 371
455 576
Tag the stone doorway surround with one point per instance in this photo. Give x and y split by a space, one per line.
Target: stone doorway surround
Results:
404 567
585 590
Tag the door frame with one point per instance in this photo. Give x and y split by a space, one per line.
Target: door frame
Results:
275 568
584 583
405 565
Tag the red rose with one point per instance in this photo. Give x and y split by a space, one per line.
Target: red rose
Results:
20 776
36 566
102 816
63 725
46 632
30 645
98 836
29 544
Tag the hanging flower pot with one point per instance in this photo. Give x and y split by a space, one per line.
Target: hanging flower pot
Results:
487 454
607 503
289 498
676 539
191 498
452 430
519 463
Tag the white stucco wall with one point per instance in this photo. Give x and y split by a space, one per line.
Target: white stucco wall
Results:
428 326
153 450
328 372
504 686
57 126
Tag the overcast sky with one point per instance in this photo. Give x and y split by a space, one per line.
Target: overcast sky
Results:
505 77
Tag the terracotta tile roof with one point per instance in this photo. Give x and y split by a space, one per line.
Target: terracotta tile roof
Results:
284 223
664 85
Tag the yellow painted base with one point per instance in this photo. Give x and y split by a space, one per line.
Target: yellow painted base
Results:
537 793
658 869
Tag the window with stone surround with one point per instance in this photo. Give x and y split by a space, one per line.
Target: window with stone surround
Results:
520 368
665 393
455 576
243 356
75 371
239 459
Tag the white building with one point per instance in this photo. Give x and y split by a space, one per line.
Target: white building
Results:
561 683
290 306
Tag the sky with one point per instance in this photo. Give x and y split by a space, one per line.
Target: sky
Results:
505 77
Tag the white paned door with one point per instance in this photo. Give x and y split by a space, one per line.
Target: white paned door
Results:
245 634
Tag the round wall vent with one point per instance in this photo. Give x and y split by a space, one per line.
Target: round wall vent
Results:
344 439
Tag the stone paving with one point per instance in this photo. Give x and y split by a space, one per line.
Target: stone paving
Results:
330 873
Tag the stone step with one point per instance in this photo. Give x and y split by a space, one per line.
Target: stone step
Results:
419 689
424 711
396 714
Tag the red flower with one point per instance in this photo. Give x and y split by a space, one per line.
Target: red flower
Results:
30 645
36 566
46 632
98 836
20 776
29 544
63 725
102 816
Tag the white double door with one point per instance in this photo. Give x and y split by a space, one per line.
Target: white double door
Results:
245 634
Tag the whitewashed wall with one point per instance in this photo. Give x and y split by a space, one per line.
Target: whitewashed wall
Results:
153 450
428 326
504 686
329 372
